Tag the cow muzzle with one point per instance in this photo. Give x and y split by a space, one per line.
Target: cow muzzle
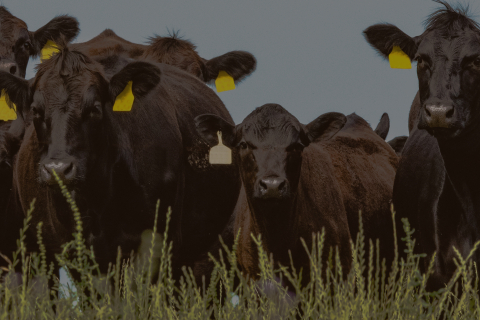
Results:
65 170
439 116
272 188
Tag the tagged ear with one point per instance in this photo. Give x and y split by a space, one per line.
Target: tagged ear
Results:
383 126
209 124
325 126
382 37
17 90
144 76
62 28
238 64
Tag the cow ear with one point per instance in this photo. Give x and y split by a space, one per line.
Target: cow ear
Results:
398 143
382 37
17 90
383 126
209 124
62 28
238 64
325 126
144 76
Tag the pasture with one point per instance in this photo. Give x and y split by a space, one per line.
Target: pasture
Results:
126 291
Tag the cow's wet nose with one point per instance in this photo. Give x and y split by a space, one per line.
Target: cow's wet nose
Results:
439 116
65 170
8 66
273 187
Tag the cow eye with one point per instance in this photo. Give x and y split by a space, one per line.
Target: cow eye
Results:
476 62
243 145
37 112
298 147
95 111
27 46
419 60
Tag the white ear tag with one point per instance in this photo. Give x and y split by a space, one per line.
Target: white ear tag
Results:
220 154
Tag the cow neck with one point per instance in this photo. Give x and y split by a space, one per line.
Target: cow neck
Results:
276 224
108 159
462 163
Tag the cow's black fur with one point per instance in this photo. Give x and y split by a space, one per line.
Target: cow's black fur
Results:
437 183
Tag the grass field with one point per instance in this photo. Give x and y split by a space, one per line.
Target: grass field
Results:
127 292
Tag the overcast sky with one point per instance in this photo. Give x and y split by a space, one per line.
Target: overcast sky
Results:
312 57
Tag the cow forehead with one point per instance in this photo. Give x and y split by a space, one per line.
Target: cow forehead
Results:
268 135
66 95
452 45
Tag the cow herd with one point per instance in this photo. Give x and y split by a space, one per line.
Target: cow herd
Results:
287 180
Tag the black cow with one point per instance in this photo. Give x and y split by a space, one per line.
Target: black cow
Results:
437 181
17 45
298 179
117 164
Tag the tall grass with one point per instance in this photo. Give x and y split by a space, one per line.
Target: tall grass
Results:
127 290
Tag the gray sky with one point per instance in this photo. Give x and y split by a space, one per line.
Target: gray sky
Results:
312 57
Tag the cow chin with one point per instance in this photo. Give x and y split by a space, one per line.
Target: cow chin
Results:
444 133
440 132
272 207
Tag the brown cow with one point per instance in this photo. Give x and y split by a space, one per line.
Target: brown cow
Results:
298 179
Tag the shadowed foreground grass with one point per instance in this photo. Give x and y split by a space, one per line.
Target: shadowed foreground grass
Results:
127 292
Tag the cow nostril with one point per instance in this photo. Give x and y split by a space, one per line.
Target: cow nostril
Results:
263 185
450 113
428 112
69 170
46 173
281 185
13 69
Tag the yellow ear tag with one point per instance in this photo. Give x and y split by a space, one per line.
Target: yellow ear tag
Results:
49 49
6 113
220 154
399 59
124 100
224 82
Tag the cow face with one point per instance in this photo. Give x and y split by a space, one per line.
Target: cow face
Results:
68 102
269 145
17 44
448 68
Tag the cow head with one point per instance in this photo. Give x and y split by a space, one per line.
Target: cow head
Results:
69 101
17 44
269 145
448 68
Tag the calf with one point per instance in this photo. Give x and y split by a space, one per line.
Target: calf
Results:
437 182
298 179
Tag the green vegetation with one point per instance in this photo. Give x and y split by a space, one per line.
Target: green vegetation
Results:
127 292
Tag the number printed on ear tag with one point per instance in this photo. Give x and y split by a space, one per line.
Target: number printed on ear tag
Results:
48 50
124 100
6 113
399 59
220 154
224 82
